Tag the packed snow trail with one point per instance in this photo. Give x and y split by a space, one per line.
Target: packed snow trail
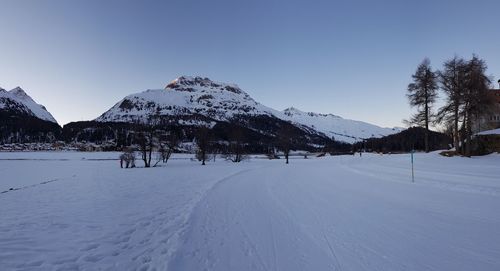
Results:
98 216
322 215
331 213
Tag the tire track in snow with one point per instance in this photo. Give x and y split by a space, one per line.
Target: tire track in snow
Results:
28 186
215 238
275 258
430 178
290 218
184 230
320 222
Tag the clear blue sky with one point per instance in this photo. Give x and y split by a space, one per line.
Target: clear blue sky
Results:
350 58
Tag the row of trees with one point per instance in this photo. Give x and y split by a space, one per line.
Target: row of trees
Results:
465 86
156 145
234 150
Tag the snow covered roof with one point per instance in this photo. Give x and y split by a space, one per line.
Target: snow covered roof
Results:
490 132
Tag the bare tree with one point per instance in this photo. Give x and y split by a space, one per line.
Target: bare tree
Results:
167 145
147 141
453 83
128 156
235 151
203 137
477 101
285 140
122 159
466 86
422 93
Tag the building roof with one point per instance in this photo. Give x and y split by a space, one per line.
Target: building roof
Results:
490 132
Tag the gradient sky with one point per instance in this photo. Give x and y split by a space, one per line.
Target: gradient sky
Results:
350 58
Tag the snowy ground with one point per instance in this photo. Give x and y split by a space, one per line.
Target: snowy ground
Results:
80 211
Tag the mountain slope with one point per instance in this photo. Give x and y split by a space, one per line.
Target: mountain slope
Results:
188 103
334 126
23 120
18 102
188 96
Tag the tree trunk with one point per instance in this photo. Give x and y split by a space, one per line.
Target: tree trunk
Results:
468 136
150 149
462 136
456 136
203 157
426 139
145 158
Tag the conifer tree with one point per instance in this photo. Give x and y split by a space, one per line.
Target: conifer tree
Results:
422 93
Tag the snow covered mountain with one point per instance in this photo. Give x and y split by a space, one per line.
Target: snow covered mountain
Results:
22 120
334 126
187 96
17 101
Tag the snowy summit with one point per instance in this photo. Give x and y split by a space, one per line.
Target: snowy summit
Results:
334 126
19 102
189 96
186 96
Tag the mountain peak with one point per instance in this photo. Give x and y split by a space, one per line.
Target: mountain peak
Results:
189 83
186 95
187 98
292 111
17 89
19 97
20 93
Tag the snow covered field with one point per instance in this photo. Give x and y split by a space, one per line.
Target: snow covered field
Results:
80 211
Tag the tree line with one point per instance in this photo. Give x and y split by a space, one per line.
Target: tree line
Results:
465 86
154 144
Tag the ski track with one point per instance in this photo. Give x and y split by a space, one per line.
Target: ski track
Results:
336 213
145 241
296 219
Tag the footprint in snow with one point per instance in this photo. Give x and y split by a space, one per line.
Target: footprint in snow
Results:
90 247
93 258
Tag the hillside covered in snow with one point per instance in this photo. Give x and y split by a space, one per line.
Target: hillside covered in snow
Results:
187 96
184 105
23 120
17 101
334 126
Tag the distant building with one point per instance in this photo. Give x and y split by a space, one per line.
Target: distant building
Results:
488 141
492 120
